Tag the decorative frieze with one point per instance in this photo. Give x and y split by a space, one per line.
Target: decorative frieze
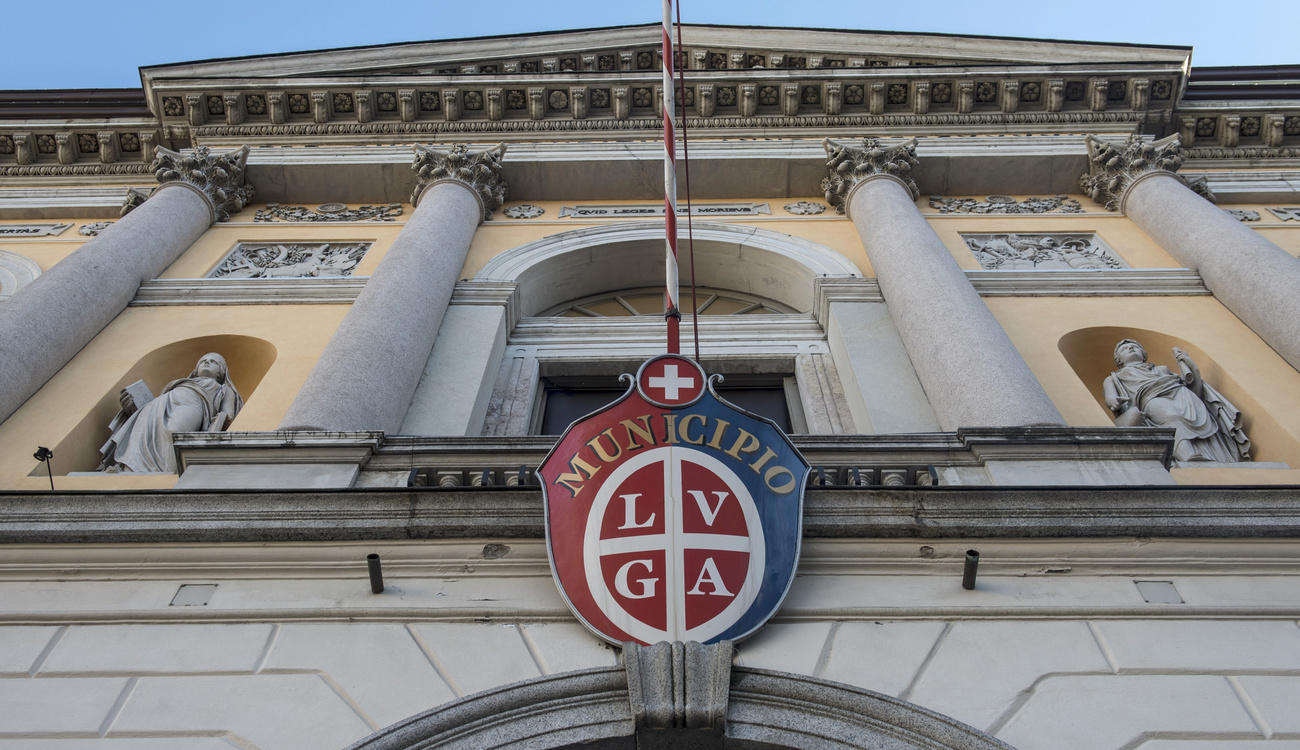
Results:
847 165
479 170
280 260
1243 214
804 208
220 177
32 230
1076 251
327 212
524 211
1113 168
1005 204
94 228
657 209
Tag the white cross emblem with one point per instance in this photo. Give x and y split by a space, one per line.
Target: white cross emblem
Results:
670 383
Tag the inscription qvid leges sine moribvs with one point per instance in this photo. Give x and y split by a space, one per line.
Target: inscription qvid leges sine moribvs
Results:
282 260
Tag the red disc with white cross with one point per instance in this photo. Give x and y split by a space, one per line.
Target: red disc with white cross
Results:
667 571
671 381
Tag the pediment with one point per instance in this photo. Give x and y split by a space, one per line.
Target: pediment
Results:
633 49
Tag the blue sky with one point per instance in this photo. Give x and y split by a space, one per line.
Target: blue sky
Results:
80 44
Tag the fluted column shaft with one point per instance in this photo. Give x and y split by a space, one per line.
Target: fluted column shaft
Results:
369 371
50 320
969 368
1254 278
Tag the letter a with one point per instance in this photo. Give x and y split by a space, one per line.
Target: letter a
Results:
709 574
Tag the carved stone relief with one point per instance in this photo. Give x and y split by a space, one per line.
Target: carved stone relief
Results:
94 228
1080 251
804 208
1005 204
524 211
268 260
1243 214
327 212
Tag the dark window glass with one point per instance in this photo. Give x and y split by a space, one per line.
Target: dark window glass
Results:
565 405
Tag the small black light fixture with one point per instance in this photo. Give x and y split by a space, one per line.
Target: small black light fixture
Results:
44 455
972 567
376 574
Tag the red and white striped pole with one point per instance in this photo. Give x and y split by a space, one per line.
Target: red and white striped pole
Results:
672 312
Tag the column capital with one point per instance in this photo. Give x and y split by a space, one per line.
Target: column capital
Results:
479 171
1115 168
848 165
217 177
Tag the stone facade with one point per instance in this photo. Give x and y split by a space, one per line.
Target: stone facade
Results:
934 312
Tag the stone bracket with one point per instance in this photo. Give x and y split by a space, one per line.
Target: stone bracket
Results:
679 685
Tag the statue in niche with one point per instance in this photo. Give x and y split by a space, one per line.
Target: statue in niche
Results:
1206 426
141 433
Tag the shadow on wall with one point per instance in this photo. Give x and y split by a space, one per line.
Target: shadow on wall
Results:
248 358
1091 354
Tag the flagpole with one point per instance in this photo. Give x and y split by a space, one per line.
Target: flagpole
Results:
672 314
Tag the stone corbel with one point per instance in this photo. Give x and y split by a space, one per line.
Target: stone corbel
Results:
218 177
25 148
234 108
537 102
480 171
1187 129
1098 89
451 104
407 104
1229 130
320 106
365 105
622 102
275 106
704 101
876 97
1141 94
1010 96
921 97
747 102
66 148
659 100
197 112
589 62
108 151
697 59
550 64
789 99
965 96
736 60
846 166
1272 130
495 103
775 61
677 686
510 67
578 102
625 61
832 97
1055 92
148 145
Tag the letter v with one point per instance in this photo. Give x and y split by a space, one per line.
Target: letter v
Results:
710 513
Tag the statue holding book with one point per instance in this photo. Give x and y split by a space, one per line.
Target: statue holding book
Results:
141 433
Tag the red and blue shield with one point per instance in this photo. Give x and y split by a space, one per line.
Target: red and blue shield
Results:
672 515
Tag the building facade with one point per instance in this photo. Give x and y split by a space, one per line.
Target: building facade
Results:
1040 299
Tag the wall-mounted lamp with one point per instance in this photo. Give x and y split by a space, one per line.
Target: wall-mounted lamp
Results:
44 455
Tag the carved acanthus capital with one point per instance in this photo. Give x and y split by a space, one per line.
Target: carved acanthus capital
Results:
219 177
1113 169
847 165
480 171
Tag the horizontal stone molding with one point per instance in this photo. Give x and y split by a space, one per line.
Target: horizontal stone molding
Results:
1100 283
305 291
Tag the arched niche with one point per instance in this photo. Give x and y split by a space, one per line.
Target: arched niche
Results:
764 710
248 357
1091 354
590 261
16 272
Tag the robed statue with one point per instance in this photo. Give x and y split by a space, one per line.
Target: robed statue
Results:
141 433
1207 427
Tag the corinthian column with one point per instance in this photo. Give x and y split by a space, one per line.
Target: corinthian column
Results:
51 319
369 371
1252 277
969 369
